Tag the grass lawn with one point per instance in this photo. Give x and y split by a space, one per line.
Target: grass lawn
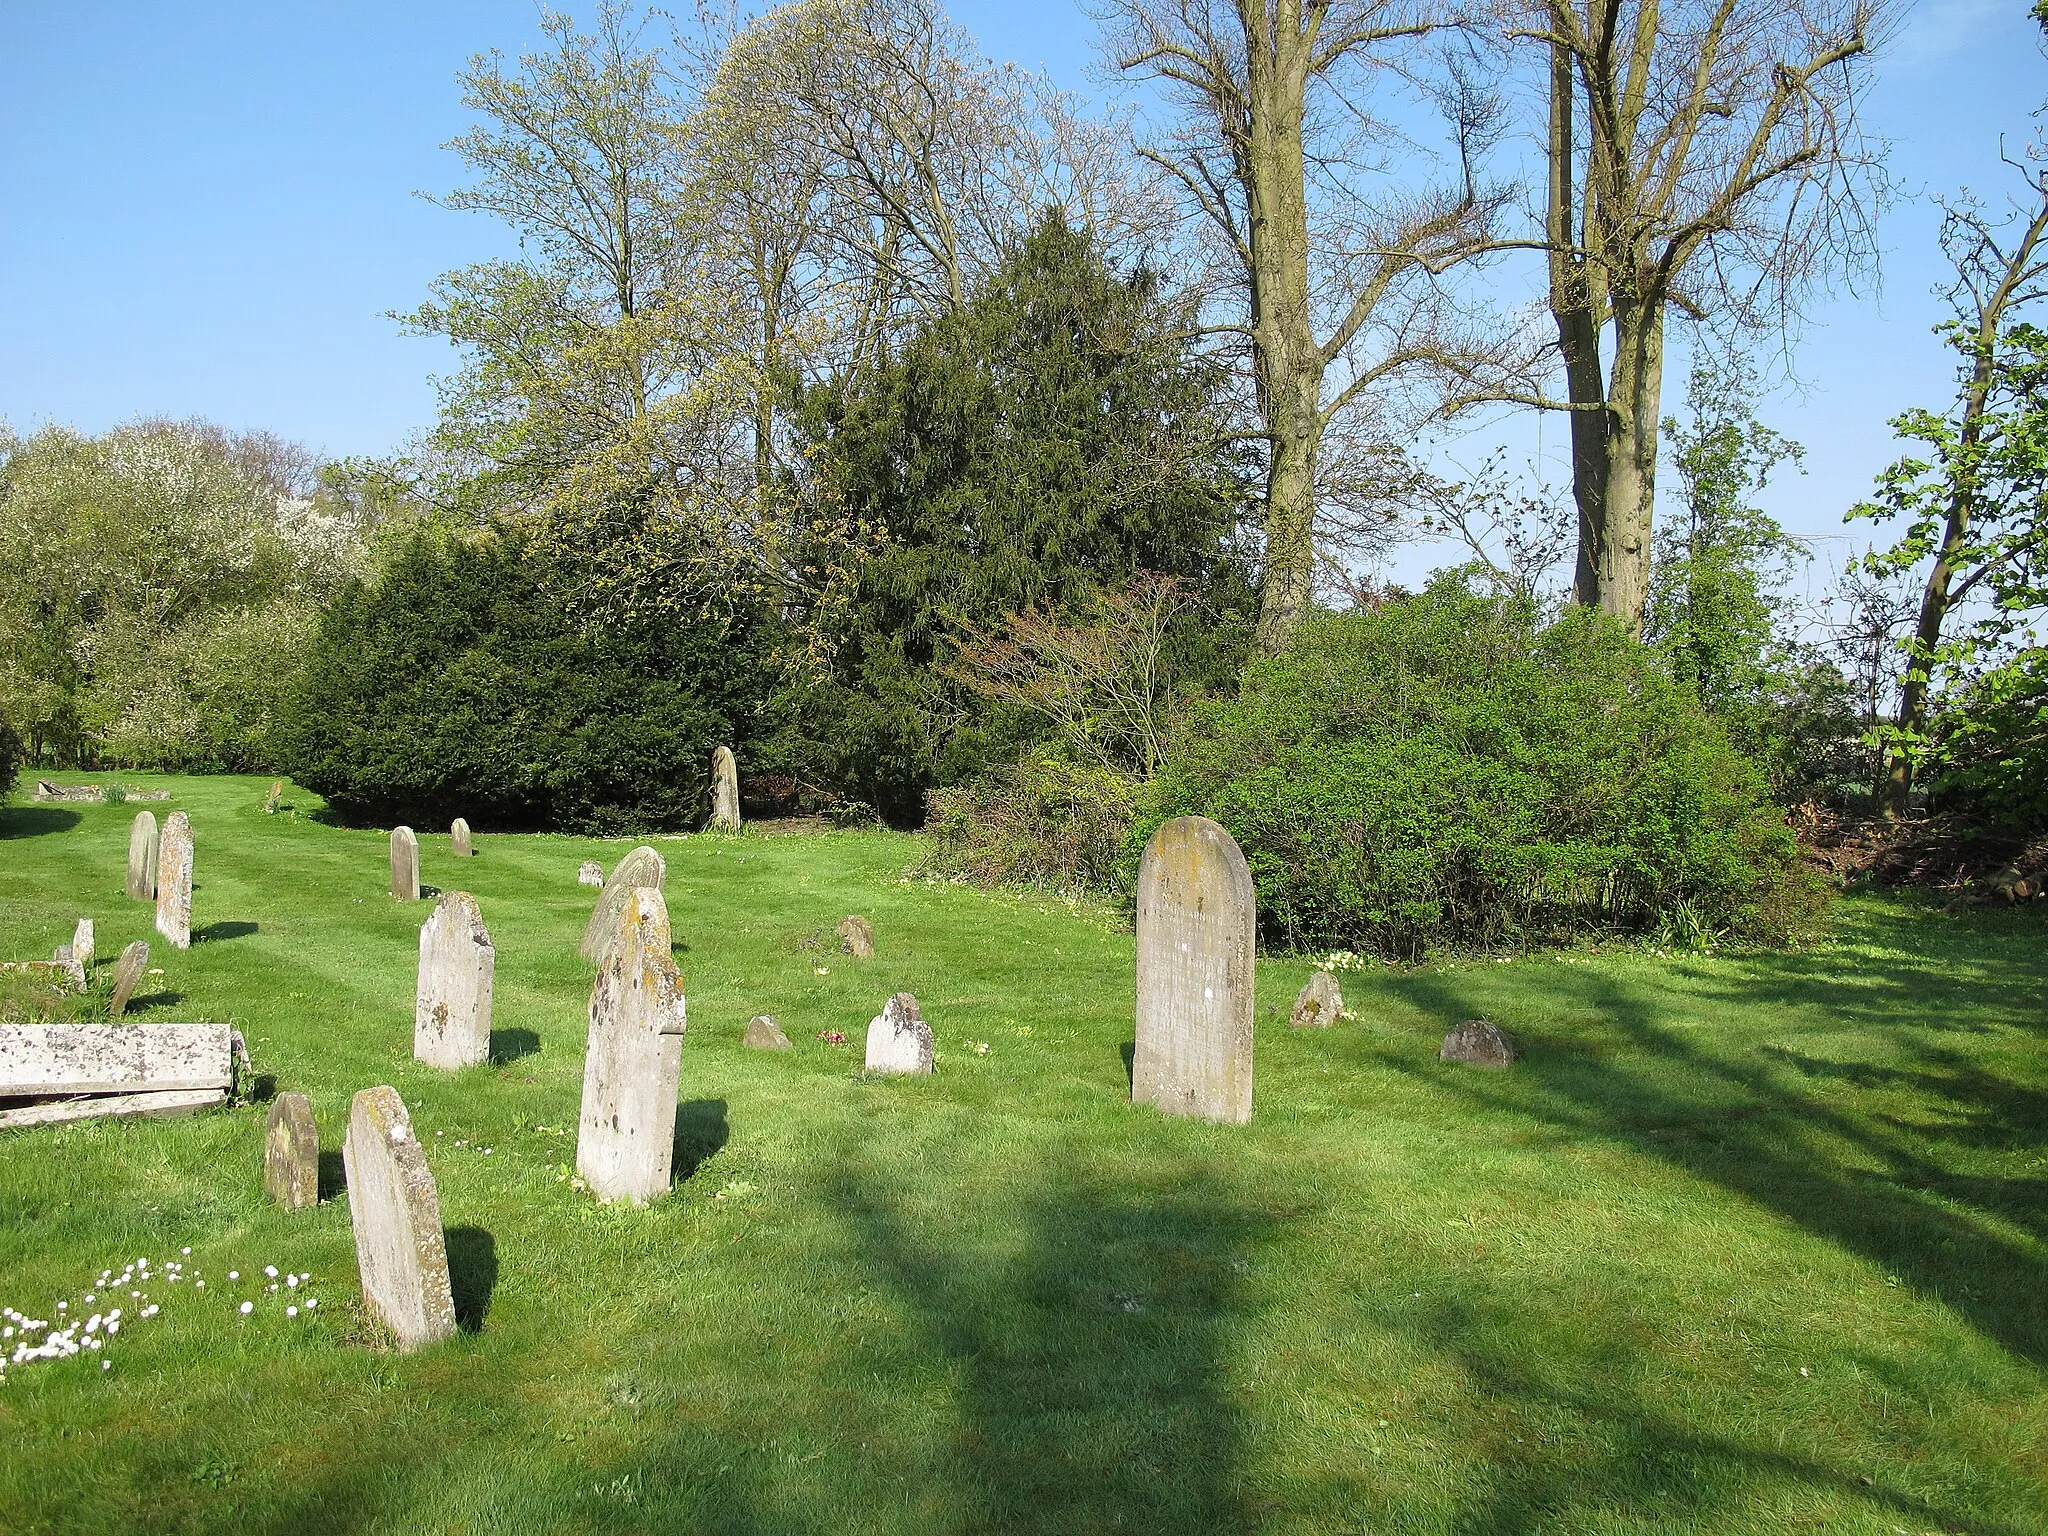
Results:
1745 1244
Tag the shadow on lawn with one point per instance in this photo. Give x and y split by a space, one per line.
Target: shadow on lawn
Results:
36 821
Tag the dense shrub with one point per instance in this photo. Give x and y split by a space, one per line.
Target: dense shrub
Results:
458 682
1991 743
1038 822
1447 771
10 758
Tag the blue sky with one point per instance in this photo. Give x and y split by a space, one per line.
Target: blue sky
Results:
207 209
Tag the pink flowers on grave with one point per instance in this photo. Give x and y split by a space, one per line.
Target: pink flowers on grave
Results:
832 1036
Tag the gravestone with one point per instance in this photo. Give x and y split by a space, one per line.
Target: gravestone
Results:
1319 1004
128 973
174 881
82 943
400 1251
725 791
1197 913
764 1034
291 1153
643 867
857 937
405 864
62 957
451 1020
899 1040
1478 1044
590 872
626 1133
142 857
458 839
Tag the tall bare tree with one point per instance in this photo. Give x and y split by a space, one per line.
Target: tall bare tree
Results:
1704 156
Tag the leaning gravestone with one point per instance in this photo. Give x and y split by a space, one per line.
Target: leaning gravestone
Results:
590 872
1197 913
1478 1044
291 1153
764 1034
643 867
857 937
725 791
1319 1004
174 881
626 1134
142 857
128 974
82 943
458 839
451 1021
899 1040
405 864
396 1212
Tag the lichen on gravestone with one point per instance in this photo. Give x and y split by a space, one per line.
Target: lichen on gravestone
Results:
452 1003
642 868
1319 1004
899 1040
632 1059
174 881
395 1211
291 1153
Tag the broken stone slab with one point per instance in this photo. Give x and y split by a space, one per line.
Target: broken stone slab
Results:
84 794
458 839
451 1021
47 1060
142 857
291 1153
764 1034
1319 1004
590 872
856 937
725 791
114 1106
899 1040
1197 922
405 864
401 1253
642 868
128 973
1479 1044
60 973
82 943
633 1062
174 881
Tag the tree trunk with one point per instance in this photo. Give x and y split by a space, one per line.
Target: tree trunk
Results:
1621 552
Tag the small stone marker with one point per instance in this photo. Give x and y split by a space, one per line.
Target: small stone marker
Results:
643 867
1479 1044
396 1212
725 791
128 973
451 1020
626 1134
590 872
142 856
82 943
458 839
405 864
1197 917
764 1034
1319 1004
174 881
857 937
899 1040
291 1153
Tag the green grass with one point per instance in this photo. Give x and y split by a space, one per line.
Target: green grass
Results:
1745 1244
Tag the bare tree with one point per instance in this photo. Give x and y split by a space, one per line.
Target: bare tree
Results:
1277 151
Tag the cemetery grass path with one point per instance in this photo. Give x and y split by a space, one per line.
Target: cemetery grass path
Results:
1746 1244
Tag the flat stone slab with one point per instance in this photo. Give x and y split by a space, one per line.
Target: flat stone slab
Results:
1197 937
128 973
632 1062
291 1153
451 1024
1478 1044
115 1106
1319 1004
48 1060
643 868
764 1034
899 1040
401 1252
856 937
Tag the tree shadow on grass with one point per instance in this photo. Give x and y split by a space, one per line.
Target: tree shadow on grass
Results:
701 1133
35 821
509 1045
215 933
472 1274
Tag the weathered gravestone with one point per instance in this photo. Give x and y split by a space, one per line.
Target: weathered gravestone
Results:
451 1021
128 973
142 857
458 839
857 937
174 881
400 1251
63 957
291 1153
626 1134
405 864
1319 1004
643 867
899 1040
590 872
1197 912
725 791
82 943
764 1034
1478 1044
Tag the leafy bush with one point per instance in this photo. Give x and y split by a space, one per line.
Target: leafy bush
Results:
10 758
1991 743
459 682
1038 822
1445 770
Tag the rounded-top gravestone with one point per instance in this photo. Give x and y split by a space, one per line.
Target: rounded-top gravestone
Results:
1197 921
405 864
642 868
142 857
459 842
725 791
